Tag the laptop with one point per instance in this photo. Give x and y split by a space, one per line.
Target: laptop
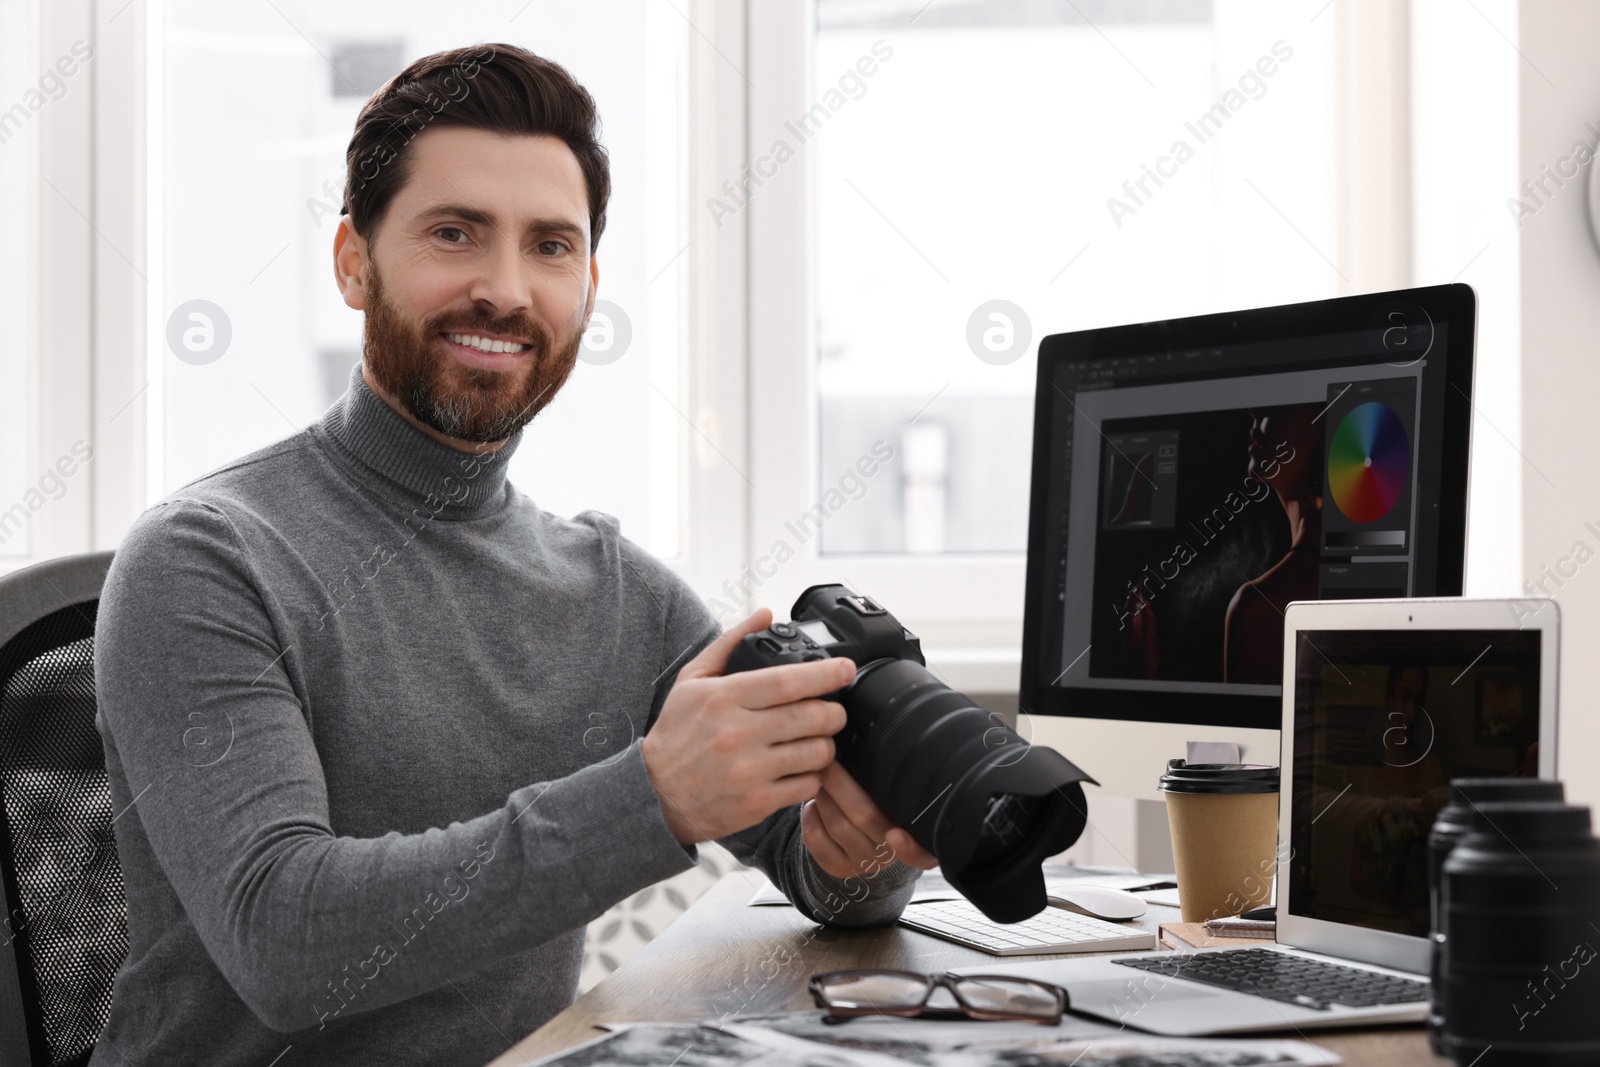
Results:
1384 702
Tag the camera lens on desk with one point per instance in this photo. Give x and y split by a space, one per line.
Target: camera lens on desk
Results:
1453 823
1518 969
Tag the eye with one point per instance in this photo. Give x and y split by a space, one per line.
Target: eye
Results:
442 230
551 247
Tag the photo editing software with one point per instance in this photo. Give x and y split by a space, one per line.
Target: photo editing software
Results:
1200 492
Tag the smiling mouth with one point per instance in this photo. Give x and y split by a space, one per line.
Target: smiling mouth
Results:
485 344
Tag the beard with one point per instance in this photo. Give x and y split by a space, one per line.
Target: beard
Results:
467 403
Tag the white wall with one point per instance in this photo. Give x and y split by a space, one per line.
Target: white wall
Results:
1559 87
1463 164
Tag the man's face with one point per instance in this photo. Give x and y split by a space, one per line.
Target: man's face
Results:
485 246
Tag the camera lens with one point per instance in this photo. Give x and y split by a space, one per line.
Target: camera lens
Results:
1453 823
1458 818
989 805
1518 966
1008 822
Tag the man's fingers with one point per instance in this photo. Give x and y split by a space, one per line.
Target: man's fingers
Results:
829 856
907 851
805 718
789 682
855 802
859 844
859 807
795 789
714 657
805 756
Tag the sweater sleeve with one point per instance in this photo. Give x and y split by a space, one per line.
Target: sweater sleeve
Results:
204 725
776 845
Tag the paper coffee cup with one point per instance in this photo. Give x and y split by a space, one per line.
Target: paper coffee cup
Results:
1224 820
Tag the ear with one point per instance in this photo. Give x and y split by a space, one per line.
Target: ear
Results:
594 287
349 264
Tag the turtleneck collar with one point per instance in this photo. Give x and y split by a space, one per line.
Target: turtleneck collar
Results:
384 450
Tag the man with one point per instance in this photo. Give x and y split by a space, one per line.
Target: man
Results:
349 684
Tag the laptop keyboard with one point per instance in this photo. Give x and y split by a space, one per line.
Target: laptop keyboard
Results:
1290 979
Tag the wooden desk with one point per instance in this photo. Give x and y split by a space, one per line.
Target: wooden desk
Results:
722 957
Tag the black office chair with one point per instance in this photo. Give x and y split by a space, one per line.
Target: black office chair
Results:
63 911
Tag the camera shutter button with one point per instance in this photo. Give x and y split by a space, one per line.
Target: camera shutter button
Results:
785 629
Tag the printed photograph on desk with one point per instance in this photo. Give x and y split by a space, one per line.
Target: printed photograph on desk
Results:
1075 1043
951 1040
694 1045
1172 1052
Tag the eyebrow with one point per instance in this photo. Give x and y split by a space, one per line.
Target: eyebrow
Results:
485 218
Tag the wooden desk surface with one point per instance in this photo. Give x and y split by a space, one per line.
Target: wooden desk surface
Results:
721 957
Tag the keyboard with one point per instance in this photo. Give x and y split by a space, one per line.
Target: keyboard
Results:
1053 930
1292 979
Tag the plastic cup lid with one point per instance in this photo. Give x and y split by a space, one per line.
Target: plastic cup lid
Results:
1185 777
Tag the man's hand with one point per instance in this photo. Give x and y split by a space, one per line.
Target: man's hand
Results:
726 752
848 834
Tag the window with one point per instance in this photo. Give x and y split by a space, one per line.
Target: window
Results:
19 77
258 105
47 439
1170 158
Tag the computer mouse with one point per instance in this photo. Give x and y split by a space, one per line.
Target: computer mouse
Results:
1095 902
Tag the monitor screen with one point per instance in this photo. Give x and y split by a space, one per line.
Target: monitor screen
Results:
1383 721
1191 478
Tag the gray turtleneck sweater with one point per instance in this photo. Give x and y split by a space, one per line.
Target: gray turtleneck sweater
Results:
372 724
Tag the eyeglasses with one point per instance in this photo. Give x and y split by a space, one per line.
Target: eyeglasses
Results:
849 994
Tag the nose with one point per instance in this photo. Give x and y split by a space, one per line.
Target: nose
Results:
503 282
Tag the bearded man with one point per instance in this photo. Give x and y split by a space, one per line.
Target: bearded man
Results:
347 683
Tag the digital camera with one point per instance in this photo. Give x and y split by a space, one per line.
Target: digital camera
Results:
965 785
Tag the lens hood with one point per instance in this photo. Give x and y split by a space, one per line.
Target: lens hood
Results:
1011 888
936 762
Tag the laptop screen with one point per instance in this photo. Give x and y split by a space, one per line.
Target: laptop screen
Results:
1383 720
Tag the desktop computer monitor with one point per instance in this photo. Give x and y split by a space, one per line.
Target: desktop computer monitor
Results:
1192 477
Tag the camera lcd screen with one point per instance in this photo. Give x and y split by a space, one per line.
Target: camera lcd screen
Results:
1383 721
818 631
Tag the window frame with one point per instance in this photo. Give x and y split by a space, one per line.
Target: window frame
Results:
714 344
67 257
967 606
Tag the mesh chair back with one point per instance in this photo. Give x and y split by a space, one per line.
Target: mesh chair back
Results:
64 924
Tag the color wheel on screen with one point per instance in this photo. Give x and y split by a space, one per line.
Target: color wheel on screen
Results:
1369 462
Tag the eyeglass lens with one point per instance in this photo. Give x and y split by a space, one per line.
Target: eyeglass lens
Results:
901 992
1012 998
880 992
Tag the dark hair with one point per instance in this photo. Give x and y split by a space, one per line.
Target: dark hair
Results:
495 87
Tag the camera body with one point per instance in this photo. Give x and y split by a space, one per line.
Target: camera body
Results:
829 621
990 806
